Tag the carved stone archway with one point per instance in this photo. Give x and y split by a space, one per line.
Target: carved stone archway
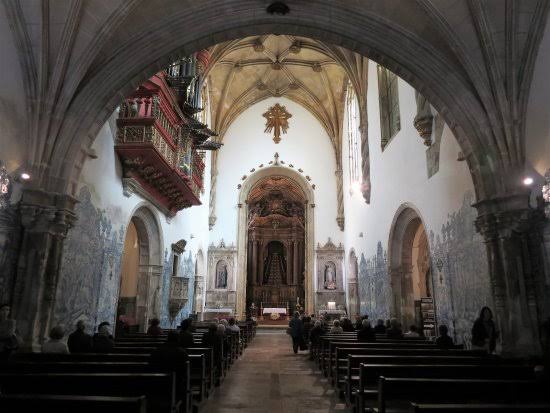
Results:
149 237
409 269
242 234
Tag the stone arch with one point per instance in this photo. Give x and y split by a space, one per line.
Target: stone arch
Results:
242 233
164 36
150 268
409 264
353 284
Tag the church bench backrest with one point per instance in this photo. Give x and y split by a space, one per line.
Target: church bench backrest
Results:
477 408
44 403
159 388
342 363
329 364
397 393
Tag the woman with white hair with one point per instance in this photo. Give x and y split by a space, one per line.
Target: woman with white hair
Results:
56 344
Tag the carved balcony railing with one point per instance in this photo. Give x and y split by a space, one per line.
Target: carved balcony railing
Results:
156 148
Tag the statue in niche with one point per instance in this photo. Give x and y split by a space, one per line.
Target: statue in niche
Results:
221 275
330 276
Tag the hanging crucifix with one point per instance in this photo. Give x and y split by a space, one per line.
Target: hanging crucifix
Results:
277 121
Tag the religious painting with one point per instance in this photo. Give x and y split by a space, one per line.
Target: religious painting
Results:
277 121
221 274
330 276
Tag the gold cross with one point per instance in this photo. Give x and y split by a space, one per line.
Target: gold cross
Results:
277 120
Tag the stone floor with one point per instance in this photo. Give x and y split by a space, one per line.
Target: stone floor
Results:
270 378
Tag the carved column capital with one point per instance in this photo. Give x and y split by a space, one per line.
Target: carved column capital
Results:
45 212
423 125
504 217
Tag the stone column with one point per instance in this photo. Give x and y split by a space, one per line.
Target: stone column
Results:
255 261
512 235
46 218
289 262
340 219
295 264
261 263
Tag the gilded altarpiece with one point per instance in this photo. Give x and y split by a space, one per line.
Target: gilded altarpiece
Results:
220 293
276 256
330 277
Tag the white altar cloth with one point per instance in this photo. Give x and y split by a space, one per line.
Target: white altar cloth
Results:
271 310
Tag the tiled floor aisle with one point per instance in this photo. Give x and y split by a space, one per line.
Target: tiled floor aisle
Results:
270 378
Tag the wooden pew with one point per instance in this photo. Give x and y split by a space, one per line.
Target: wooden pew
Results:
348 376
396 394
191 382
477 408
45 403
160 389
370 374
329 363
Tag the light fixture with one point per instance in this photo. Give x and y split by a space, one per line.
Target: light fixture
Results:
25 176
527 181
356 186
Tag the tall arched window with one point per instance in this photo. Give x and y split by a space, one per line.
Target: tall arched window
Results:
354 136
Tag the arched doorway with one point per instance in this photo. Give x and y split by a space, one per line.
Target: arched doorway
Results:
275 248
353 288
410 272
139 293
301 189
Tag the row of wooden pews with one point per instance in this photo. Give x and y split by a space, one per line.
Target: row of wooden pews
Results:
124 380
413 375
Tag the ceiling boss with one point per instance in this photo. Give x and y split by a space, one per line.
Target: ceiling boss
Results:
277 121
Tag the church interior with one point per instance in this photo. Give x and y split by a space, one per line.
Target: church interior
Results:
343 206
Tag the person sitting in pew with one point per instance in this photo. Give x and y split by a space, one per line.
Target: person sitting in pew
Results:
8 338
347 325
336 328
56 345
170 353
213 339
366 333
380 328
395 329
232 326
79 341
358 322
185 334
413 332
444 341
154 329
314 338
102 341
221 329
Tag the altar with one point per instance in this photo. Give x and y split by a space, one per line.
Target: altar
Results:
274 310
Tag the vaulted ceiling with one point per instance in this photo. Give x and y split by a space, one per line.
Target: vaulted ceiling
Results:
315 75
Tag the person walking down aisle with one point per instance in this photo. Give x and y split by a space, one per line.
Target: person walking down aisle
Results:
296 331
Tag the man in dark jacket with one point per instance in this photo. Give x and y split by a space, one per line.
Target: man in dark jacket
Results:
186 335
79 341
102 341
170 354
296 331
314 338
366 333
